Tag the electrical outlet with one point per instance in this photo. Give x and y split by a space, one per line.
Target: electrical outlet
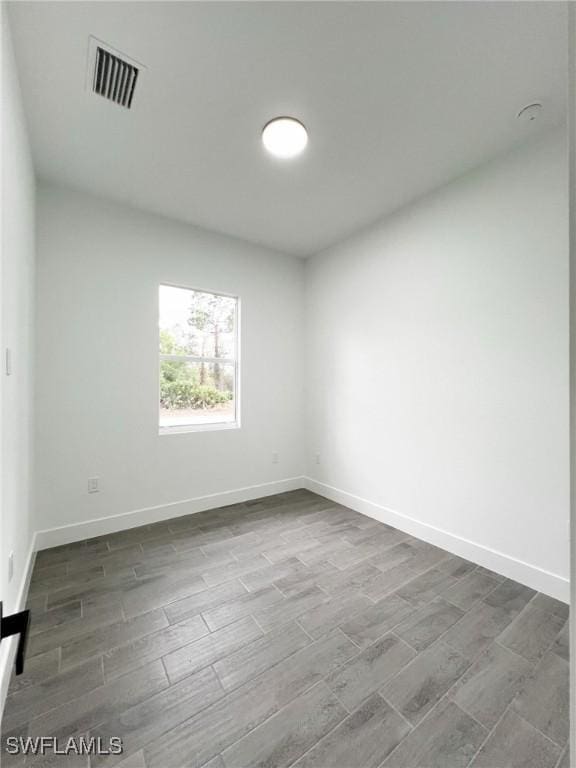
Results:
275 457
317 458
10 566
93 484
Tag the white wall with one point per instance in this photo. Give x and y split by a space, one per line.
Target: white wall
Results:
572 206
437 367
16 326
99 267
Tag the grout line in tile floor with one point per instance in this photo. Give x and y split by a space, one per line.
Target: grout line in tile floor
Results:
427 716
303 630
408 723
562 753
490 732
519 655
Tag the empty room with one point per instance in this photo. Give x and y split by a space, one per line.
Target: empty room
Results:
285 385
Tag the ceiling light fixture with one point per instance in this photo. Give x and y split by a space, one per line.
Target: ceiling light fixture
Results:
284 137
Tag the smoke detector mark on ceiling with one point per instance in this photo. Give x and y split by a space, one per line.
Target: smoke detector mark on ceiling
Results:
112 74
530 112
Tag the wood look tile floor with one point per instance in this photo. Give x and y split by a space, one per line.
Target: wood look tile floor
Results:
288 631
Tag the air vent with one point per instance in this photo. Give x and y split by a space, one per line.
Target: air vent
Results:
111 74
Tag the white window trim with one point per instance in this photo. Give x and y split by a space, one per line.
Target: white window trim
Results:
182 429
216 426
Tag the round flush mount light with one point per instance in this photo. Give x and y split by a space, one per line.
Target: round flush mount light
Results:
530 112
284 137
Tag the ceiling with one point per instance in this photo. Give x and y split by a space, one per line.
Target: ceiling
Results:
398 98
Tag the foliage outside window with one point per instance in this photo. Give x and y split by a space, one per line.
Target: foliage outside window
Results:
198 358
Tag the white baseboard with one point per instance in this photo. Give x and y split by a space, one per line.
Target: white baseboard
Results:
66 534
544 581
9 646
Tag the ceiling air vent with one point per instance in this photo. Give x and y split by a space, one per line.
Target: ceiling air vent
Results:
111 74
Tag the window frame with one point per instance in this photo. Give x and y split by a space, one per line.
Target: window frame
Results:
179 429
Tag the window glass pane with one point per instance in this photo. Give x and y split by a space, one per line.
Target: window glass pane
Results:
196 393
196 323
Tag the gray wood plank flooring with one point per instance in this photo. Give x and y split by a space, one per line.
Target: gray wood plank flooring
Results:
288 631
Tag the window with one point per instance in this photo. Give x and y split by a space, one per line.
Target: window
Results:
198 360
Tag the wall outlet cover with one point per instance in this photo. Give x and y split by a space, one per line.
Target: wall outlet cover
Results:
93 484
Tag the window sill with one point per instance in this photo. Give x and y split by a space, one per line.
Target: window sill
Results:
185 429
